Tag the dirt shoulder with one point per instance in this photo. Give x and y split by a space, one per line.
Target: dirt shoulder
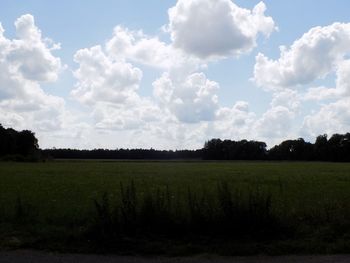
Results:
29 256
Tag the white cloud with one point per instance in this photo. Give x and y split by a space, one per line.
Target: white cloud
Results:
343 78
320 52
276 123
101 78
108 86
25 62
217 28
233 123
183 112
312 57
131 116
331 118
151 51
287 98
191 100
183 95
75 135
321 93
342 85
30 54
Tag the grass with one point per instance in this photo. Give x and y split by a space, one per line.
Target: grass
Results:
72 205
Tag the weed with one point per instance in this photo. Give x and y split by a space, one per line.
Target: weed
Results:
152 214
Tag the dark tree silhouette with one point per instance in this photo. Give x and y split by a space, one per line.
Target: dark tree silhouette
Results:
217 149
293 150
23 143
338 147
321 148
124 154
27 144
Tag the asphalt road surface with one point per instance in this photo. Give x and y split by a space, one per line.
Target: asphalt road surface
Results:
28 256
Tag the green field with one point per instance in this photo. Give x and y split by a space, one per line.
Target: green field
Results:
56 196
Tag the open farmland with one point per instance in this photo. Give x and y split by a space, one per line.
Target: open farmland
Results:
45 204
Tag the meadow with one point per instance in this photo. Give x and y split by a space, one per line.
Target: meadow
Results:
71 205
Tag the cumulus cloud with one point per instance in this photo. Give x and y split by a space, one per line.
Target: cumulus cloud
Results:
217 28
184 110
321 93
275 123
191 100
288 98
26 62
108 82
320 52
108 85
331 118
101 78
30 54
132 116
141 48
343 78
233 123
341 89
183 94
312 57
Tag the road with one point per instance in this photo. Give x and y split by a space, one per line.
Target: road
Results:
28 256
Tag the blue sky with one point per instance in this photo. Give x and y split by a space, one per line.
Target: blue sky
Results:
215 70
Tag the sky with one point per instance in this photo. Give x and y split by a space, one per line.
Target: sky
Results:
174 74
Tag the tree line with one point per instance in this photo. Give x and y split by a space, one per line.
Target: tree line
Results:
334 149
123 154
23 145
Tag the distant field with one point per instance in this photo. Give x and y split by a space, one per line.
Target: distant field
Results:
64 191
69 187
